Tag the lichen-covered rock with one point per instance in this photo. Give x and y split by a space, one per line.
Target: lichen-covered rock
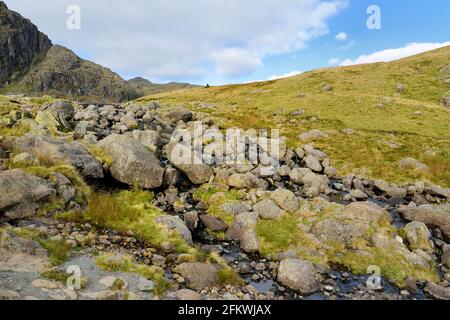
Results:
434 216
268 210
196 171
198 275
22 193
242 180
285 199
132 162
418 236
175 223
243 229
298 275
58 150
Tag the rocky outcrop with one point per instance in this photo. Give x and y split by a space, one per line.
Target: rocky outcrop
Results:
132 162
56 151
22 194
21 43
433 216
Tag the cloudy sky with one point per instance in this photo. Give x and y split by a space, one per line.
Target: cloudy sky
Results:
233 41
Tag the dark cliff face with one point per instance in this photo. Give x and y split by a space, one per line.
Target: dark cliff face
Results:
30 64
21 44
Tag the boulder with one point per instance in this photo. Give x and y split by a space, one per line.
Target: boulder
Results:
56 115
418 236
437 291
391 190
298 275
175 223
213 224
433 216
242 180
22 193
198 275
446 101
313 135
197 172
243 229
313 163
57 151
411 163
179 114
236 207
268 210
148 138
132 162
285 199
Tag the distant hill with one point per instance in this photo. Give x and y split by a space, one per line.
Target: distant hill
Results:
32 65
145 87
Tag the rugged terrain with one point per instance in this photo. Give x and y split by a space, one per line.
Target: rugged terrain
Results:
96 187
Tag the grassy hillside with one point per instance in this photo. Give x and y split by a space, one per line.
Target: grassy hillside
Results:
390 124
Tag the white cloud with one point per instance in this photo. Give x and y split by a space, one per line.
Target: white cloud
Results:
174 40
394 54
285 75
341 36
334 61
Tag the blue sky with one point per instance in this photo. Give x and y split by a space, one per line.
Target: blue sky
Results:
235 41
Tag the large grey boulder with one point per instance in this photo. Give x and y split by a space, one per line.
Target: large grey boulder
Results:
243 229
198 275
62 112
411 163
22 193
179 114
299 276
58 150
433 216
175 223
391 190
132 162
148 138
285 199
197 172
268 210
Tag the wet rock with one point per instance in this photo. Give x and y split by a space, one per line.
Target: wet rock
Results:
285 199
132 162
299 276
22 193
268 210
191 220
438 291
171 176
177 224
57 150
213 224
391 190
355 195
198 275
434 216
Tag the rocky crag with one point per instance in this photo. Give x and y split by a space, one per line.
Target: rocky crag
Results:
101 179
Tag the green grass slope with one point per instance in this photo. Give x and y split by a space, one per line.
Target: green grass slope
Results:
389 125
